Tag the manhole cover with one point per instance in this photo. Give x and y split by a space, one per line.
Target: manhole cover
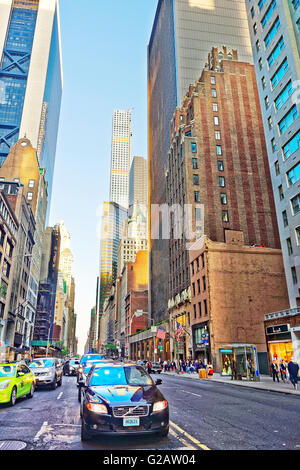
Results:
12 445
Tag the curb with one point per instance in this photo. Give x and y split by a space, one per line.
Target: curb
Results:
284 392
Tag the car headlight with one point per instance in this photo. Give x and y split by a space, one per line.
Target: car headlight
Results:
97 408
49 374
4 385
159 406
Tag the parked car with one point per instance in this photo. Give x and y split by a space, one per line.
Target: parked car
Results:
16 380
73 367
47 371
122 399
86 370
156 368
86 358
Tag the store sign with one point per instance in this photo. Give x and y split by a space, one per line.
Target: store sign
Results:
277 329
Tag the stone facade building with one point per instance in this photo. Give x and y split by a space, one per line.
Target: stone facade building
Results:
233 286
218 177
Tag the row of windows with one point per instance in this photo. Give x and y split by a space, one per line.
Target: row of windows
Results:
200 309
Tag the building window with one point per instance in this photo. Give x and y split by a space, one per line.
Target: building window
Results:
219 150
293 175
255 28
223 199
213 92
276 52
212 80
197 196
252 12
195 163
270 122
289 246
204 283
216 121
196 180
29 196
295 202
291 146
288 120
268 14
222 181
225 216
200 309
277 169
294 275
198 285
31 183
297 230
260 63
257 45
215 107
195 311
264 83
194 147
205 306
220 165
280 73
285 219
273 144
280 190
267 102
218 135
272 32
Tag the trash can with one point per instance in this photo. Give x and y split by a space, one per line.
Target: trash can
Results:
202 374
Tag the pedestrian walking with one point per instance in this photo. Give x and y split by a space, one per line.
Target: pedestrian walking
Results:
233 370
274 368
293 369
282 368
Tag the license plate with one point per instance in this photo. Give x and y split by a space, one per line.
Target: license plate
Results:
131 422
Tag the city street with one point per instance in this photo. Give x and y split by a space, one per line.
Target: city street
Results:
203 415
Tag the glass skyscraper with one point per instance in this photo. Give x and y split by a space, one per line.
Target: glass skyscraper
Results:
274 27
30 78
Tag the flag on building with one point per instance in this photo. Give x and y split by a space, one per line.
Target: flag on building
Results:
179 331
161 334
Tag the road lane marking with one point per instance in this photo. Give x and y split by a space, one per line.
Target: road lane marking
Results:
41 431
191 438
183 441
60 395
195 394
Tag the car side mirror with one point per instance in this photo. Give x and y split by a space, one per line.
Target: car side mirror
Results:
158 382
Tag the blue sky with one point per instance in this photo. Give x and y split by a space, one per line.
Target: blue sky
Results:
105 68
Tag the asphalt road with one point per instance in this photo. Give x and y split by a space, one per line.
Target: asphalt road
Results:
203 416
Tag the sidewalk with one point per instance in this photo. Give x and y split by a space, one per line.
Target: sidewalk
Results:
266 383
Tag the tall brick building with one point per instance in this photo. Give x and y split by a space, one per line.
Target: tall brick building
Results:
217 159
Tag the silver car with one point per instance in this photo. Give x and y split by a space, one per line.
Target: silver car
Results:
47 371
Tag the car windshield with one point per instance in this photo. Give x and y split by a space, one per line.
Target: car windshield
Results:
120 376
7 371
42 363
93 357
